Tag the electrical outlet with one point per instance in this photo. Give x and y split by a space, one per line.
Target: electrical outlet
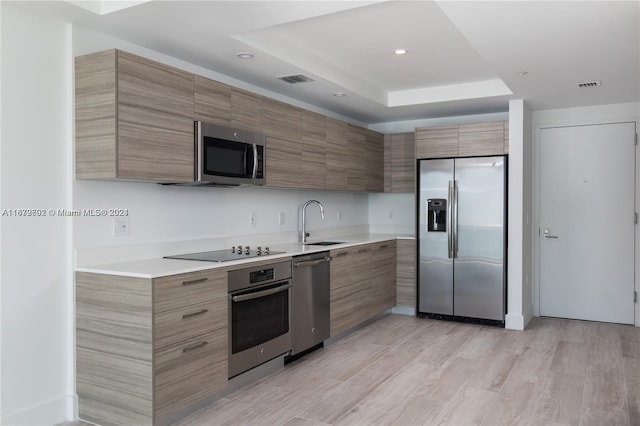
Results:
281 218
120 226
252 219
390 215
339 216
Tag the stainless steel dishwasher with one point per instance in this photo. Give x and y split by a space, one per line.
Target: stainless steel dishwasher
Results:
310 306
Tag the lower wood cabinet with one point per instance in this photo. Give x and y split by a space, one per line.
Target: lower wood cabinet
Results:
148 348
406 273
363 284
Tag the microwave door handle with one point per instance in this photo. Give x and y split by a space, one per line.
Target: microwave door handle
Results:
198 163
254 173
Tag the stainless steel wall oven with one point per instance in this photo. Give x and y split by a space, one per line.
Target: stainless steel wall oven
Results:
259 315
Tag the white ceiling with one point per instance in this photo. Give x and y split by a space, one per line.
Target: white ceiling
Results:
463 57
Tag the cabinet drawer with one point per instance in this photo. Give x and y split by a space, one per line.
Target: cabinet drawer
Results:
182 290
193 320
189 372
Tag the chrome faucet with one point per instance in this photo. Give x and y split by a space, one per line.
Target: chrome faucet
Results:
302 237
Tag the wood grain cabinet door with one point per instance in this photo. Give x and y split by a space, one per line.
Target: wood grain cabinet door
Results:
246 110
406 273
282 125
211 101
337 154
374 158
402 162
314 150
356 155
481 139
437 142
155 121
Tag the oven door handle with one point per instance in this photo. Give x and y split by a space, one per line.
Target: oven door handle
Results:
257 294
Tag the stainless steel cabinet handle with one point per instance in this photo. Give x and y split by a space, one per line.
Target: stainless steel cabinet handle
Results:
194 347
257 294
363 250
311 262
195 314
383 246
548 236
198 281
344 253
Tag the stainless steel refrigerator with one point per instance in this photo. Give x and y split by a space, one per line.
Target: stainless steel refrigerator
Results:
462 238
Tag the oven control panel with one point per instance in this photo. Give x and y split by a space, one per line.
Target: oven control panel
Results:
261 276
241 279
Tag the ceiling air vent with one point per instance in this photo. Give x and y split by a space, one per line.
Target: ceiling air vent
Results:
295 78
593 83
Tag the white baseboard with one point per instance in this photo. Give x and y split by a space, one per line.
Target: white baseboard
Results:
51 412
403 310
514 322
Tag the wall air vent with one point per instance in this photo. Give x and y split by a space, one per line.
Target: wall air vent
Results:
593 83
295 78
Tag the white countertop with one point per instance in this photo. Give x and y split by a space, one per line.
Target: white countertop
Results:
160 267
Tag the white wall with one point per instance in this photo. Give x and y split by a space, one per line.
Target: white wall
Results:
574 117
36 272
519 300
170 213
392 213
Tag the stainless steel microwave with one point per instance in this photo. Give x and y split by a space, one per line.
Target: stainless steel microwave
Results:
229 157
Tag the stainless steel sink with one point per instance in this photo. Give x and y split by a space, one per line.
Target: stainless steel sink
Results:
324 243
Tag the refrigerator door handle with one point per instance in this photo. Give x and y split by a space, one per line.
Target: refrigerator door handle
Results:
450 221
454 220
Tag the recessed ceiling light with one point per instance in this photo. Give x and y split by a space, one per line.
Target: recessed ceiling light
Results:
522 73
245 55
400 51
339 94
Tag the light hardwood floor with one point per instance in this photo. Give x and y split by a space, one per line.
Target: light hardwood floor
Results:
402 370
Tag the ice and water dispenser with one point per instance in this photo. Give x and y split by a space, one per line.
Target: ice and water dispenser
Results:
437 215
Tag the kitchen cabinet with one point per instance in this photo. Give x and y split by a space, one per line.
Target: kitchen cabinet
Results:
149 348
406 273
356 171
374 157
134 119
400 162
464 140
314 150
481 139
506 136
383 276
337 154
211 101
246 110
362 284
282 126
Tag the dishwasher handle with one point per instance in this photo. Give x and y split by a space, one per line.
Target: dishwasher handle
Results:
311 262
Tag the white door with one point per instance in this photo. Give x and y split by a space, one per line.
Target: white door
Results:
587 199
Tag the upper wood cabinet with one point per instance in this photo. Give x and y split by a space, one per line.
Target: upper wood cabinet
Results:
134 119
481 139
374 158
400 162
314 150
337 154
357 170
464 140
212 101
437 142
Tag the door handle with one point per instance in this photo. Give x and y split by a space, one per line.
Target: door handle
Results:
548 236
